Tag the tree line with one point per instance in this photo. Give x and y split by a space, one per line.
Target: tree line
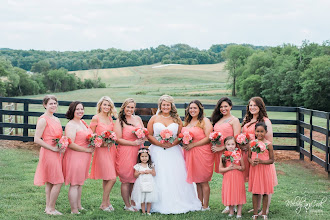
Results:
286 75
33 60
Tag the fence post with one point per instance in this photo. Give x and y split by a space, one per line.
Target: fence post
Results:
300 131
26 119
243 114
327 147
1 128
311 136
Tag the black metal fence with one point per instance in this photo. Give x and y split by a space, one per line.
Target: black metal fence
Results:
299 123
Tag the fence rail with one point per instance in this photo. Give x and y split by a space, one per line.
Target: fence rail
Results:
299 135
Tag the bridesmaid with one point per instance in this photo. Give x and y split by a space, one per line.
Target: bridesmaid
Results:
128 146
198 156
103 165
256 112
49 169
223 121
78 156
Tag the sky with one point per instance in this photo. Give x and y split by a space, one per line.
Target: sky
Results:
76 25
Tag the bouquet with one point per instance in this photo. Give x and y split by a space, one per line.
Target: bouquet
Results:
62 142
258 147
140 133
186 137
94 140
109 137
216 138
242 138
233 156
228 156
166 136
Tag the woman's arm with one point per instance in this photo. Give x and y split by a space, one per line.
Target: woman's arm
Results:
93 123
70 131
236 126
121 140
269 134
41 125
208 128
151 138
176 141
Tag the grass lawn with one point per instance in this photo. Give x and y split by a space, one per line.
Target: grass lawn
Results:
20 199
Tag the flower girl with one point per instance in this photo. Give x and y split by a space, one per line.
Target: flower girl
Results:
144 189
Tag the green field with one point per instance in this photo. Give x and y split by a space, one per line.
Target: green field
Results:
20 199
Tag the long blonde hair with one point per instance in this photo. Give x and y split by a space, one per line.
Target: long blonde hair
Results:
174 111
112 112
122 117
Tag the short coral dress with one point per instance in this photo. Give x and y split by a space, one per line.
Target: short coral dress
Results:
261 176
199 160
49 169
104 165
233 187
127 157
76 164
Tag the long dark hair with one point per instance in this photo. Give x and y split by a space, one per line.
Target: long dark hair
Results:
262 111
200 116
144 150
121 115
217 115
227 139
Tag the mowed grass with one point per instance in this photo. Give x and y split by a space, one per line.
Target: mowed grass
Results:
301 194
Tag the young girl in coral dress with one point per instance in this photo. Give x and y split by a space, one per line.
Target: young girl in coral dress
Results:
49 169
103 165
260 176
233 187
128 147
144 189
198 156
78 156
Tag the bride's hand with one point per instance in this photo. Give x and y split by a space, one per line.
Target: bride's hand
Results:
166 145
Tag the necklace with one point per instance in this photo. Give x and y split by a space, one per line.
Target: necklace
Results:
165 116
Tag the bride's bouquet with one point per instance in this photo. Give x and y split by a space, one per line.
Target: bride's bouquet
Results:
94 140
186 137
166 136
215 138
62 142
109 137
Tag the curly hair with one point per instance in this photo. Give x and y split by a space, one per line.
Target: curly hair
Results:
200 116
217 115
112 112
72 108
121 116
262 111
174 112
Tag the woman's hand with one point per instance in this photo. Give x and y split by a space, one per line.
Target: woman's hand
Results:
166 145
89 149
215 149
255 162
188 146
139 142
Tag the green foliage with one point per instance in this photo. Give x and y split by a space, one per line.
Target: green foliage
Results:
316 84
250 87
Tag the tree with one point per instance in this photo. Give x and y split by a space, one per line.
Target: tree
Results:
42 66
235 56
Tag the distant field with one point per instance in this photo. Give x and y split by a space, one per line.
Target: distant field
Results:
145 84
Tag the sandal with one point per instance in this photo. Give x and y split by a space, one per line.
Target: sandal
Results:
107 209
255 216
111 208
264 216
226 210
131 209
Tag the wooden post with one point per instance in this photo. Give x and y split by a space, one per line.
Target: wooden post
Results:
300 131
16 121
1 128
26 119
327 147
311 136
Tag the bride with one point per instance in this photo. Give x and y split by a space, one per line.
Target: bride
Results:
175 194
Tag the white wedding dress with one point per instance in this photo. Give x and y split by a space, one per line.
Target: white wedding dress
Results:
175 194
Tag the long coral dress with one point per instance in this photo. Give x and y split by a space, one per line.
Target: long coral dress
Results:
199 160
261 177
233 187
76 164
251 131
104 165
49 169
127 157
226 130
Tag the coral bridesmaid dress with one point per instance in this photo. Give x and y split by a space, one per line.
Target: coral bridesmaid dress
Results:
49 169
251 131
233 187
76 164
127 157
226 130
103 165
261 177
199 160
